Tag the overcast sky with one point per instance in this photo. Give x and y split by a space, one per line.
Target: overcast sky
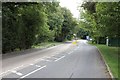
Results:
72 6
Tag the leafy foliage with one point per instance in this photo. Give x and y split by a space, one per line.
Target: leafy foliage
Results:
27 24
101 19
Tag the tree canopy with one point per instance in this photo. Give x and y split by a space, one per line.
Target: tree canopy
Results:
26 24
101 19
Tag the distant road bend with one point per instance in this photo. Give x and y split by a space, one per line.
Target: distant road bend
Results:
63 61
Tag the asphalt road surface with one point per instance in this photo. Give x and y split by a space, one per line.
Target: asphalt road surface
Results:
67 60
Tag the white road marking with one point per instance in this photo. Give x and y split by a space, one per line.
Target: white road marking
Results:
39 59
18 73
33 71
11 70
37 66
31 64
46 60
59 58
4 72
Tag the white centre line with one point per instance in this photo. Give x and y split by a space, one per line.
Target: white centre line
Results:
18 73
59 58
32 72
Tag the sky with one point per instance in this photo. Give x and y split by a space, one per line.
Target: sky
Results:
72 6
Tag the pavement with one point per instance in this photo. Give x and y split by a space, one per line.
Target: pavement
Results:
67 60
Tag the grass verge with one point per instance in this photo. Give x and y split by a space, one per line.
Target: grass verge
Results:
111 56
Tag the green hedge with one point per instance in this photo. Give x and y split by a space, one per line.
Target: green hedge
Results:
114 42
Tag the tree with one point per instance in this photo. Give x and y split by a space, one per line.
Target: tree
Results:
55 18
27 24
101 19
9 32
68 25
109 16
22 22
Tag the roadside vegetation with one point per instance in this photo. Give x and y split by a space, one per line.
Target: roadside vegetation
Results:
111 56
101 21
27 25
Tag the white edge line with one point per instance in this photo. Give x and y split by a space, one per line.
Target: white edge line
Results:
33 72
11 70
59 58
4 72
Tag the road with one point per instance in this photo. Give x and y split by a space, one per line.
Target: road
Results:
67 60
